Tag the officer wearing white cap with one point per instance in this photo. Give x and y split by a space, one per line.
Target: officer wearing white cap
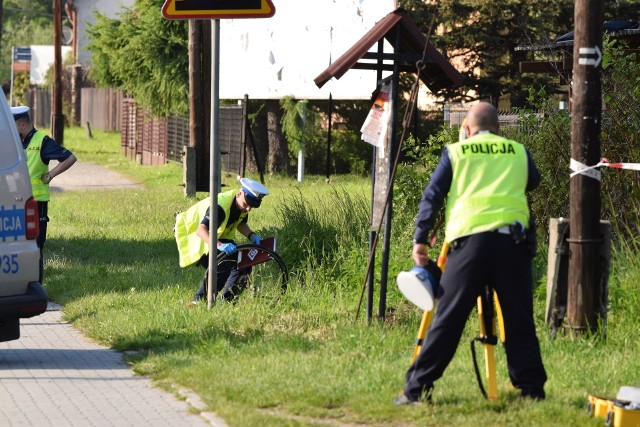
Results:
41 149
233 213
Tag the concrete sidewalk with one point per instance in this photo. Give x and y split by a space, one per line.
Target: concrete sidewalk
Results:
88 176
54 376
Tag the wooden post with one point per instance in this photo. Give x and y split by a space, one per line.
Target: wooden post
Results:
243 135
189 170
76 94
57 118
195 106
585 239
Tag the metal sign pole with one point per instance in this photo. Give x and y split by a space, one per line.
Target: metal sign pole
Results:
214 185
13 53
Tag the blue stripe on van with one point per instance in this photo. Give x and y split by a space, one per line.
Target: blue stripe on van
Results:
12 224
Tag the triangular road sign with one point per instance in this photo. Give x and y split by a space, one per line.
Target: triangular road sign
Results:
214 9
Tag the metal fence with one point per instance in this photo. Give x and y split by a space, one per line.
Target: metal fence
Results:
155 140
454 114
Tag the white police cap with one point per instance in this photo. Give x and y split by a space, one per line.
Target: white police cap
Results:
20 112
254 191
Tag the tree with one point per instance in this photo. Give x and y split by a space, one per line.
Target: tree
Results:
22 23
277 154
145 55
480 37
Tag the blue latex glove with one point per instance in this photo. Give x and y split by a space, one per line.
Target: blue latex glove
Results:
255 239
228 248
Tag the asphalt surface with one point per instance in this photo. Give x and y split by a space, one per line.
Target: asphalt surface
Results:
54 376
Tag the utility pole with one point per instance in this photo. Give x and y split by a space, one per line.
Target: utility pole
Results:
196 122
585 241
57 119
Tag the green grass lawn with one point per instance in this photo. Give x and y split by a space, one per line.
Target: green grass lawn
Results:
301 359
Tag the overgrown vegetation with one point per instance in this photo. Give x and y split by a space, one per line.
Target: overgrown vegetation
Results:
301 360
480 37
305 125
143 54
546 131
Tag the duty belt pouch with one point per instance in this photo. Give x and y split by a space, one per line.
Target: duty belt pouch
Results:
518 232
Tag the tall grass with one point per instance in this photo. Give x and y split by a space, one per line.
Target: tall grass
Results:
299 360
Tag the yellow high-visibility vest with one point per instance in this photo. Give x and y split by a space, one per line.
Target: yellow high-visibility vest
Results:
191 247
37 168
488 185
226 230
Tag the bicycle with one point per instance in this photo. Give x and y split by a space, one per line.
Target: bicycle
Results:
261 268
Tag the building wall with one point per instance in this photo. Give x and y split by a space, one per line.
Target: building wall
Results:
86 17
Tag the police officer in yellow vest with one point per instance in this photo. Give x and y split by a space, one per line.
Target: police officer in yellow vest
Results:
41 149
233 213
483 179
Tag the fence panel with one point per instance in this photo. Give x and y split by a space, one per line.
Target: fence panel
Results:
177 137
39 101
129 130
100 108
230 137
154 141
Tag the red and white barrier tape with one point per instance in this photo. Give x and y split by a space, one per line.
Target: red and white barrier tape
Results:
592 172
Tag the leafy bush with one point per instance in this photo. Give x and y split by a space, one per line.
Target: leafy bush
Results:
546 131
305 126
549 140
620 136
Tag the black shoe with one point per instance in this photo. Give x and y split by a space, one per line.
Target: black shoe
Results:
532 393
403 400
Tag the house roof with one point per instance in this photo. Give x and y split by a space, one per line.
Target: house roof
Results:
627 30
437 74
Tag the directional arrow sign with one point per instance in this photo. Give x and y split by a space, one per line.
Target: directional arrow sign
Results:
587 56
214 9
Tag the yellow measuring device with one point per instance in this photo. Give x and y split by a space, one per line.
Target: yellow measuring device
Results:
488 310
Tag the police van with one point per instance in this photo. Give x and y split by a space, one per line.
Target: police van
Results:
21 294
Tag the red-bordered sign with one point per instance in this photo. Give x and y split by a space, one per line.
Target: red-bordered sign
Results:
214 9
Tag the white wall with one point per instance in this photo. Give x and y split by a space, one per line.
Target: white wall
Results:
42 57
269 58
86 16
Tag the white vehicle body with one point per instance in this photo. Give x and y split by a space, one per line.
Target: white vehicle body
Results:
21 294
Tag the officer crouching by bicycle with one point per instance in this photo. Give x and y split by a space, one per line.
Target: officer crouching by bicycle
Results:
233 214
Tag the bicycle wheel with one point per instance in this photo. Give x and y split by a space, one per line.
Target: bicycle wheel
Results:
261 269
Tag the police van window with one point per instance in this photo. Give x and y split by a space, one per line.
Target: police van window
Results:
9 156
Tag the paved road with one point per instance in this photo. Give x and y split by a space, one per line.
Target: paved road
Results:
54 376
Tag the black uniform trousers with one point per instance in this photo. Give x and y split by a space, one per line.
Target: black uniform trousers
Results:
43 215
489 258
229 280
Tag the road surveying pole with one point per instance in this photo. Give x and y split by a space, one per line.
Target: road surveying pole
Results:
488 310
427 316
